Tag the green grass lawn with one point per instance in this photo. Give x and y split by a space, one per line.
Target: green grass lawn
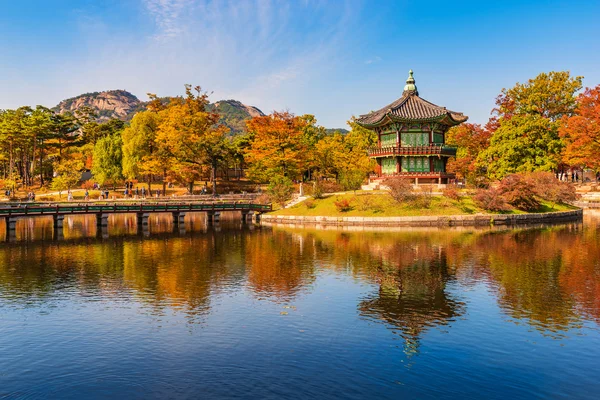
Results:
382 205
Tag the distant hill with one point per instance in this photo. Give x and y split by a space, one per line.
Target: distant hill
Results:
331 131
121 104
234 114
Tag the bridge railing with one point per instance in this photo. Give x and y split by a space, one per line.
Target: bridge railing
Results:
94 208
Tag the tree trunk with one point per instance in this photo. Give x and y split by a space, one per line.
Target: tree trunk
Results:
11 162
32 165
164 182
213 178
191 187
150 184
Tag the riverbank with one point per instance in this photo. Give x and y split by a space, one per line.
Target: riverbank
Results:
379 209
436 220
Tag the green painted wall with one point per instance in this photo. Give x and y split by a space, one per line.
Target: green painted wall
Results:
388 139
415 164
415 139
438 165
388 165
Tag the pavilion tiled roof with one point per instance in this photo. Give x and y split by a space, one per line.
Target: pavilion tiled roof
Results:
413 108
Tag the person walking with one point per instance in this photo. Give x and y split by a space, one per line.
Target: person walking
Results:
87 195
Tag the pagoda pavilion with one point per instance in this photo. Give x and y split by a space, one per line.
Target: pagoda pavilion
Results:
411 134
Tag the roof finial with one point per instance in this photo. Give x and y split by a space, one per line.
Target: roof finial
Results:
410 83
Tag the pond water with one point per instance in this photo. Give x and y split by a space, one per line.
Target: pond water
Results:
282 313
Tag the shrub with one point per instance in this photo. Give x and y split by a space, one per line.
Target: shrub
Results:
310 203
343 205
421 200
352 180
481 182
549 188
490 200
519 192
87 185
280 189
318 191
451 192
400 189
365 202
331 187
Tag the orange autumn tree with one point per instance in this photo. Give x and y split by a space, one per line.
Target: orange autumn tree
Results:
581 132
471 140
277 146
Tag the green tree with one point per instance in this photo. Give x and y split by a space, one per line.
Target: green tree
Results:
68 175
108 156
528 122
140 151
523 143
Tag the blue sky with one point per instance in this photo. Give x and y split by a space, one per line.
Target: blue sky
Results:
333 59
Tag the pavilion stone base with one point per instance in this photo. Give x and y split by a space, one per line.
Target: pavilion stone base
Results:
419 180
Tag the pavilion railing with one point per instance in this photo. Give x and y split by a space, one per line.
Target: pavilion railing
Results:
432 149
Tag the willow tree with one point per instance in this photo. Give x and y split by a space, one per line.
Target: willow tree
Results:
107 165
140 151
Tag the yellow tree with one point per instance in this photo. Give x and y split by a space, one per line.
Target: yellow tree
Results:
191 136
346 156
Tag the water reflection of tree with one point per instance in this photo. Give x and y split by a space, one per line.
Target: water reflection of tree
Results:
525 267
279 264
185 273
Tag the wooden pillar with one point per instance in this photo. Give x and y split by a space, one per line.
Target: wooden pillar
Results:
101 219
11 223
213 217
58 220
178 218
142 218
11 227
247 216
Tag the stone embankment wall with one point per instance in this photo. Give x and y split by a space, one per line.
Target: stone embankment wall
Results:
448 220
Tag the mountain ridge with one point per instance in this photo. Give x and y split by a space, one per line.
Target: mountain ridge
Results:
122 104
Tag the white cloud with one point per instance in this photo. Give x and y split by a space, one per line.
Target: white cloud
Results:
168 16
373 60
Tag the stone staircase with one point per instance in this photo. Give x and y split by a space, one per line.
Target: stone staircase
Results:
296 200
373 185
